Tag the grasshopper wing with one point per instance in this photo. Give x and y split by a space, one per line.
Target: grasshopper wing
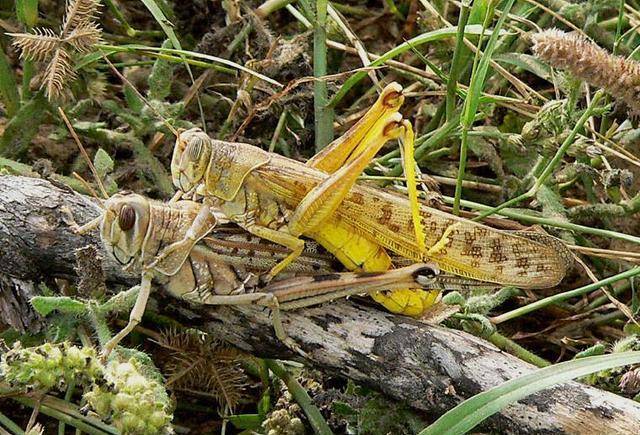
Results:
469 249
459 245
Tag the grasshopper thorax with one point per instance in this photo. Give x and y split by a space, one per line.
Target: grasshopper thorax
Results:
215 167
124 226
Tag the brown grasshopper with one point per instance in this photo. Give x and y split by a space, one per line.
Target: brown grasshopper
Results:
281 199
134 229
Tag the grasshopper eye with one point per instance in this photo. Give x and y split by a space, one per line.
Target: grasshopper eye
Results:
195 149
127 218
425 275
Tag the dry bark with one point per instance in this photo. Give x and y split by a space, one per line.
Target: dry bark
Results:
431 368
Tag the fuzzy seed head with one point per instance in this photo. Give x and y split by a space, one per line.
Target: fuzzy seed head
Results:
589 62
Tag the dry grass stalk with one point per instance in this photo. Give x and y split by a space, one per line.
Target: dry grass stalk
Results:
618 76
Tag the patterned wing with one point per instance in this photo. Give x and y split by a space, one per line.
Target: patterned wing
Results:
470 249
459 245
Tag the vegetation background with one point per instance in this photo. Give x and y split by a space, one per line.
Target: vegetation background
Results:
537 126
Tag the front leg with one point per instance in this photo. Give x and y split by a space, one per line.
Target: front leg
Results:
78 229
171 258
134 318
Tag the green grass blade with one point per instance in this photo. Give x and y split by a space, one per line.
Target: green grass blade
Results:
323 119
8 86
187 53
435 35
317 422
457 64
164 23
560 297
473 411
481 64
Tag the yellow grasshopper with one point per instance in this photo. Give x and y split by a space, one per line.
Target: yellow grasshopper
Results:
281 199
222 268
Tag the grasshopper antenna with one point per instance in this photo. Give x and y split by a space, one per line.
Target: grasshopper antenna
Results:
128 83
85 155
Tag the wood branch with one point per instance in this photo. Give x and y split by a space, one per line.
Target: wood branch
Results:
429 367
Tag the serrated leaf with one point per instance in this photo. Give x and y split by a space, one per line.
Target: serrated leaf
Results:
44 305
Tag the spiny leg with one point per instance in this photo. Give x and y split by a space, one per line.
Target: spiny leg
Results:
409 164
347 146
312 290
408 301
272 303
135 316
322 201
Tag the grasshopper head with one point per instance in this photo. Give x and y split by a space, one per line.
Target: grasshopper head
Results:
190 160
125 224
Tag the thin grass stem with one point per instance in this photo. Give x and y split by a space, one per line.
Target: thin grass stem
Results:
323 123
551 166
316 420
560 297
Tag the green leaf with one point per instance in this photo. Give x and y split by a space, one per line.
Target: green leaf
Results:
8 86
44 305
473 411
264 405
27 12
161 77
103 163
134 102
527 63
19 131
246 421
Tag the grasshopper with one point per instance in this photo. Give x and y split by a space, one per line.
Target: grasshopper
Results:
221 268
281 199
